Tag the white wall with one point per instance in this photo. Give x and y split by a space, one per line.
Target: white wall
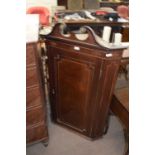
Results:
46 3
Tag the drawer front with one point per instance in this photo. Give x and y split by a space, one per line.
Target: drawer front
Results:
33 97
31 76
36 133
35 115
30 56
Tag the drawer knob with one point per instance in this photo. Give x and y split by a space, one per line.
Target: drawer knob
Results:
77 48
109 55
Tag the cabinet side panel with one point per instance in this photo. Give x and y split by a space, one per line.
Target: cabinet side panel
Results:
109 77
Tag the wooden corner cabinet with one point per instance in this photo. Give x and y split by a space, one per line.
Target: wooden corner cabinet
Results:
82 77
36 125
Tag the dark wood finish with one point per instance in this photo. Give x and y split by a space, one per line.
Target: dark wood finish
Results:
31 76
125 33
81 82
36 125
62 3
94 23
36 133
123 68
30 57
120 107
34 115
33 97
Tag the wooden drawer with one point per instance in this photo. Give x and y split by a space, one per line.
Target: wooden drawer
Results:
31 76
36 133
30 55
33 97
35 115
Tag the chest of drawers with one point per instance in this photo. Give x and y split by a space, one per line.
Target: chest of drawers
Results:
36 125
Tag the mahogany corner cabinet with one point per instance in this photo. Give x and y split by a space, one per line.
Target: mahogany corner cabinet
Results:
82 76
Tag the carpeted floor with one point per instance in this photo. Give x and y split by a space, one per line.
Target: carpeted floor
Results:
65 142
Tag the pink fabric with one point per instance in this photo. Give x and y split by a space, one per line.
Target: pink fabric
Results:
123 11
43 12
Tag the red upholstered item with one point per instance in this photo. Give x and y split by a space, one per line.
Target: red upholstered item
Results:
123 11
43 12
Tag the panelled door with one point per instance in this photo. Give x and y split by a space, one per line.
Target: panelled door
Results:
74 78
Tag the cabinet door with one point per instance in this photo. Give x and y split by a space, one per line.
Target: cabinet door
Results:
73 81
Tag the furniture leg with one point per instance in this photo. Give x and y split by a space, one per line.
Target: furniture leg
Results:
45 142
107 124
126 136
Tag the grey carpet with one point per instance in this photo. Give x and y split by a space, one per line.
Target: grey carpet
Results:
65 142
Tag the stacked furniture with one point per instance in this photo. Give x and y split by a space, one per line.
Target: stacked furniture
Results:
36 125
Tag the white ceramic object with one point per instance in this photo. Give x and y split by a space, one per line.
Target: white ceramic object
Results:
106 33
103 43
46 30
81 36
117 38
